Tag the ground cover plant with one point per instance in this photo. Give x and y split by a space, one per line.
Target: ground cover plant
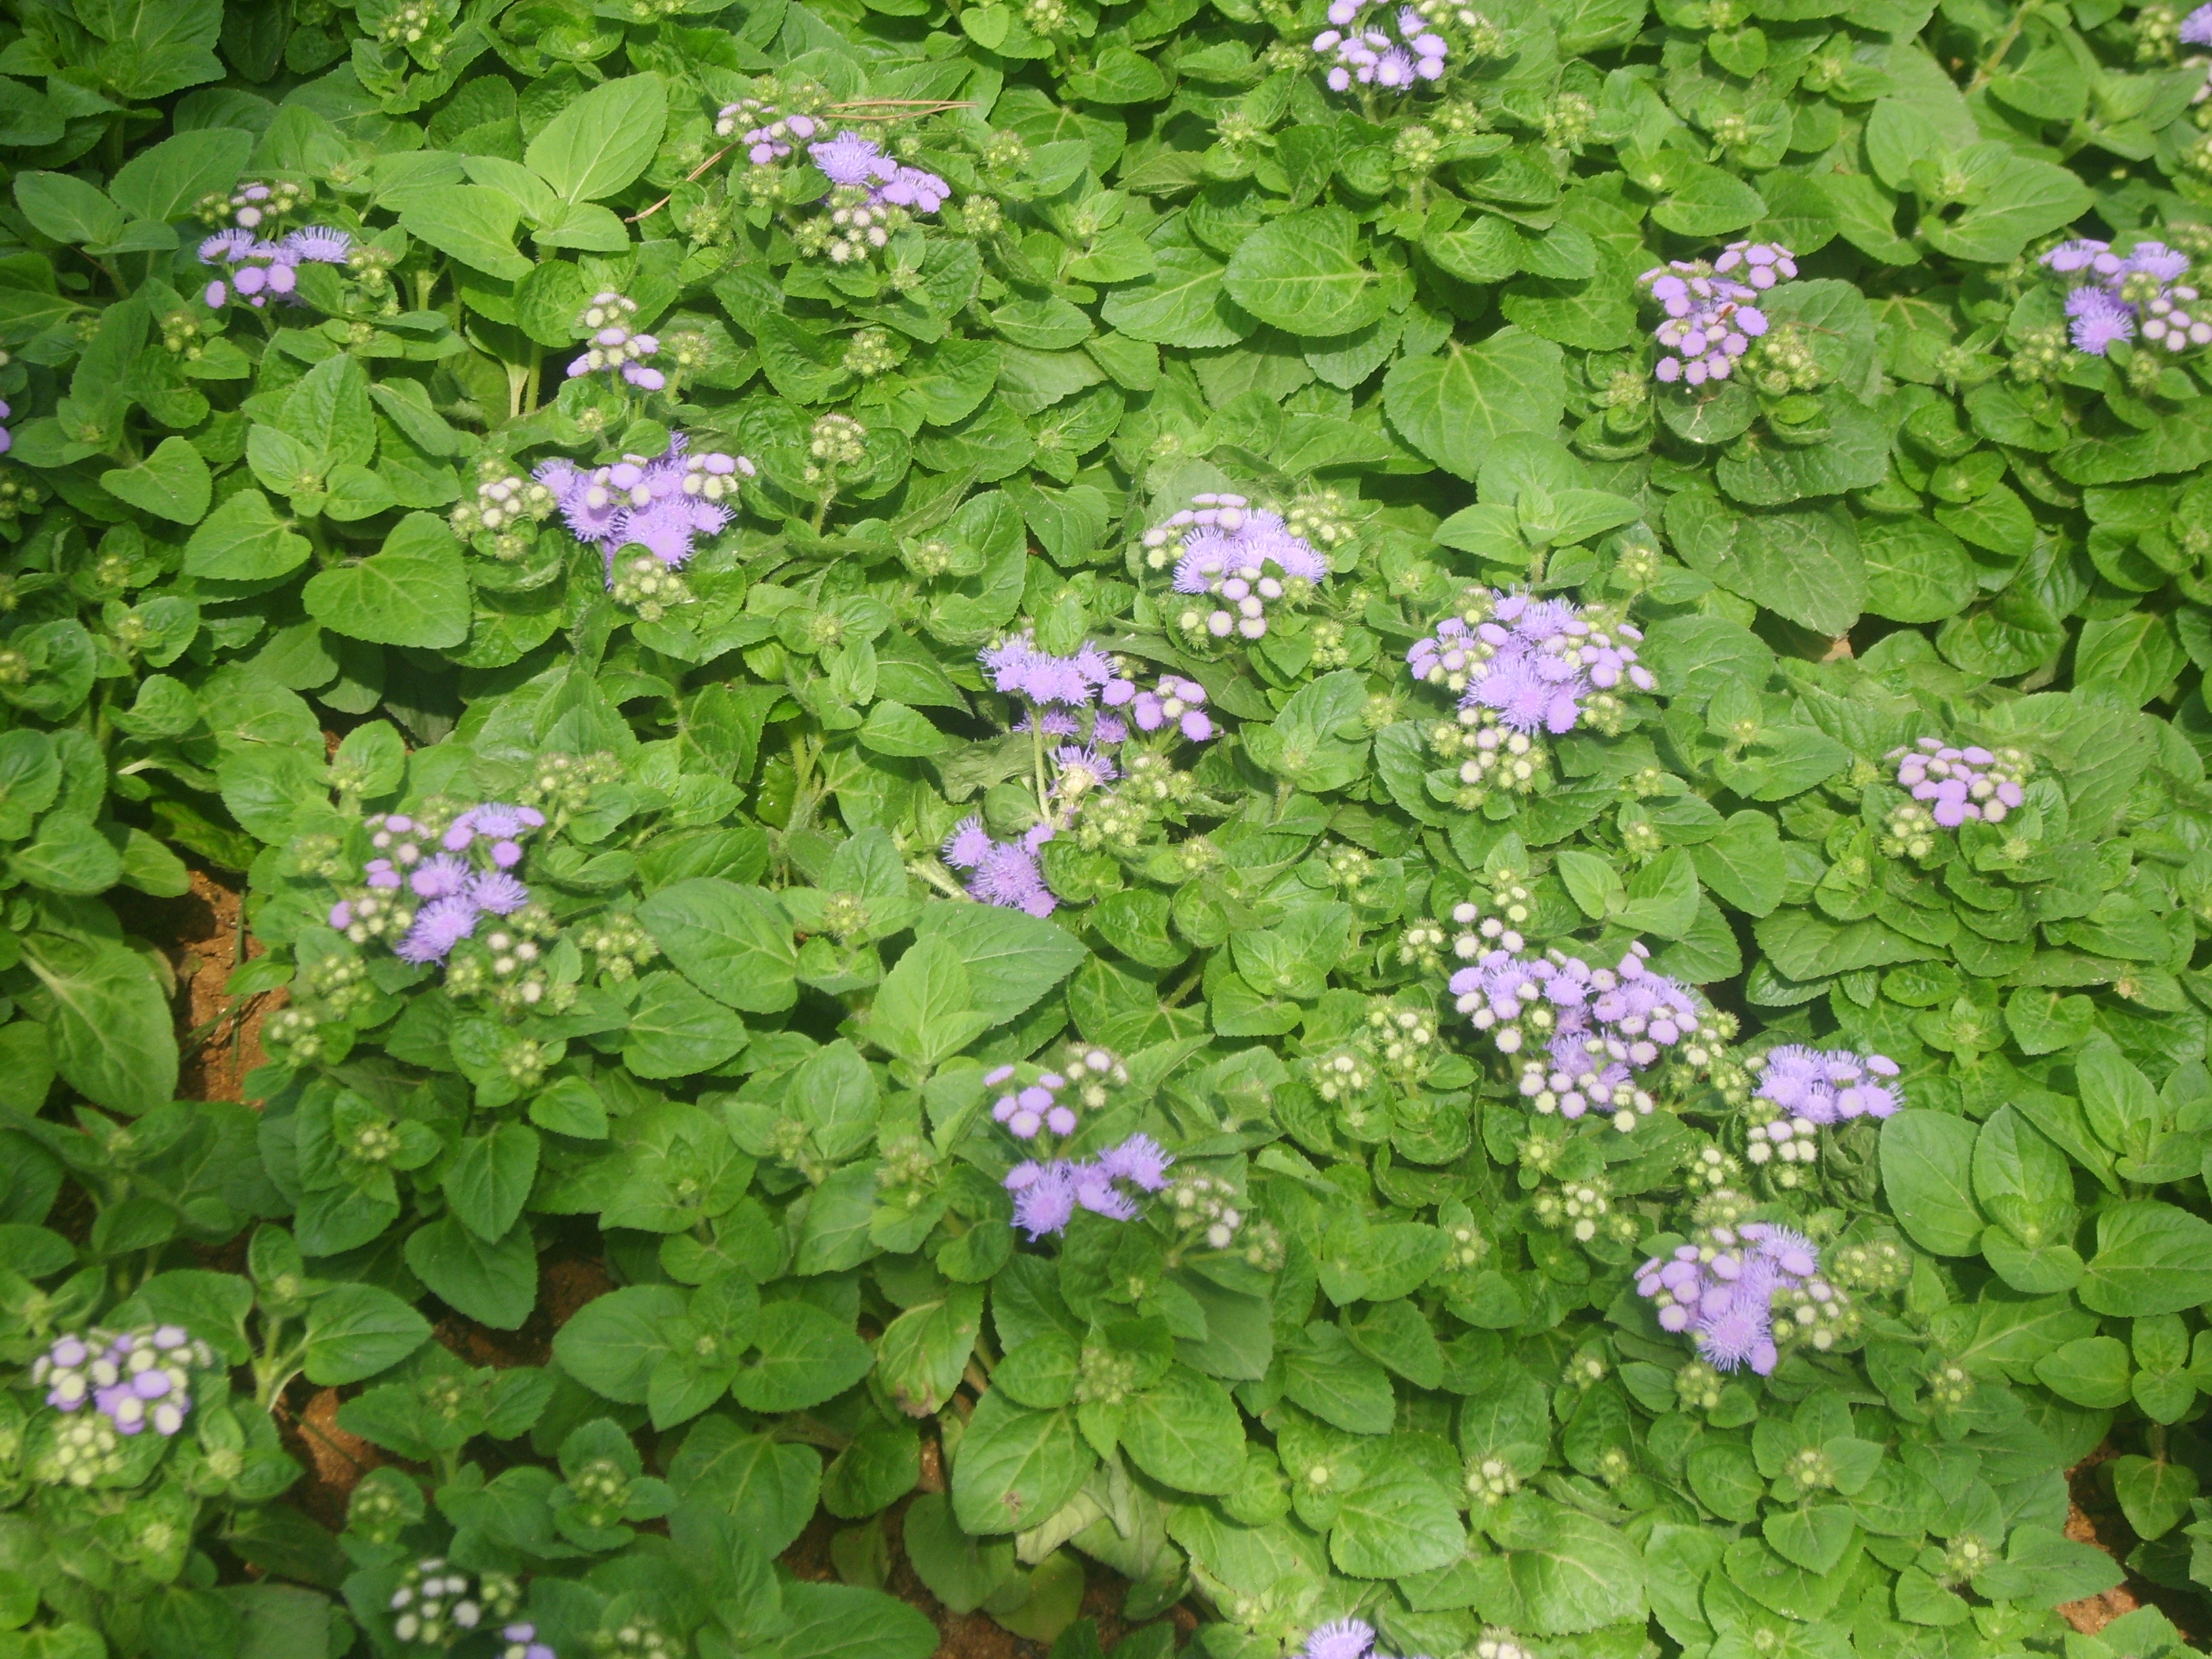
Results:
1393 816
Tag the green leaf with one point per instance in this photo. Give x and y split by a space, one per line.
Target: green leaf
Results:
1451 406
495 1284
924 1011
167 181
1916 572
1180 303
1814 1538
611 1344
598 144
1394 1524
1927 1160
474 224
414 592
2154 1496
806 1356
490 1176
67 208
1012 959
172 483
244 541
894 729
1299 273
1323 1372
1185 1431
2090 1371
1016 1466
110 1034
846 1621
355 1331
1573 1572
2151 1258
732 942
675 1031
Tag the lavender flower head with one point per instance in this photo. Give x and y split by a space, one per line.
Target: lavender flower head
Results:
1004 873
1342 1639
255 271
610 346
663 505
1600 1028
453 875
136 1379
1048 1193
2144 290
1174 704
2196 27
1724 1286
1018 669
2097 321
521 1643
855 163
1245 558
1959 784
1371 54
770 135
1833 1085
1712 317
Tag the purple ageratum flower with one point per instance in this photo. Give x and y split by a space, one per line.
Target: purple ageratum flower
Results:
1044 1196
441 877
439 927
1711 317
1082 769
522 1643
849 160
1141 1161
319 244
1018 668
1177 703
498 892
2098 320
1342 1639
2196 27
2156 260
1010 877
967 847
2083 253
912 188
1829 1086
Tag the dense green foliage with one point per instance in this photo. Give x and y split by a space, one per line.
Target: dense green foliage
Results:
276 570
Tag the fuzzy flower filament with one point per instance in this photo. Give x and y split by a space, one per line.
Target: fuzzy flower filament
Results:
664 505
1245 559
2113 297
136 1379
1712 314
1957 784
1726 1287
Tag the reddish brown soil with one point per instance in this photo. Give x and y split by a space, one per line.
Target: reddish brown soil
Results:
219 1036
2093 1516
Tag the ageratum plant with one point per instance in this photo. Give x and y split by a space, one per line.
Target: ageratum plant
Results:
1385 821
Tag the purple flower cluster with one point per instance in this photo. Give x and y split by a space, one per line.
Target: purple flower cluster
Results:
1005 873
1721 1287
1046 1192
258 271
1534 663
7 438
522 1643
1600 1027
1343 1638
1712 317
1829 1085
855 163
2196 27
1175 702
134 1378
770 137
458 876
612 347
1958 784
1018 669
1372 57
1246 557
2116 295
663 506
